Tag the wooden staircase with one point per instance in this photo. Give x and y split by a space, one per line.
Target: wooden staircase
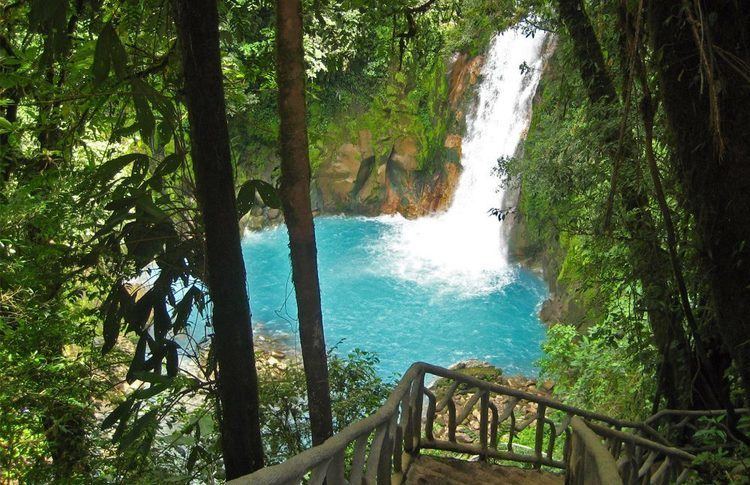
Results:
387 448
431 470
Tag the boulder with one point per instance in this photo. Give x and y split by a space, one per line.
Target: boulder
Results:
373 186
336 179
453 142
404 156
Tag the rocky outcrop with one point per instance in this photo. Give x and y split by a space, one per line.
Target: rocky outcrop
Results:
464 73
336 180
392 174
564 304
357 182
484 371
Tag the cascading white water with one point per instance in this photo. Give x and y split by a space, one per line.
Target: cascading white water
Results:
463 249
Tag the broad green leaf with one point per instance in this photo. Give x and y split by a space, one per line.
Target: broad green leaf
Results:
192 458
120 413
168 166
144 116
162 321
161 103
147 206
184 308
151 391
173 358
144 424
152 378
269 194
139 360
5 125
119 57
246 198
103 53
112 167
111 324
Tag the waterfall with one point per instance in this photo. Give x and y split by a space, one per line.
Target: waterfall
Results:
463 249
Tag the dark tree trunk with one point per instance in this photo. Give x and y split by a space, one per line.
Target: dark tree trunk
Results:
649 261
706 93
599 85
198 27
295 197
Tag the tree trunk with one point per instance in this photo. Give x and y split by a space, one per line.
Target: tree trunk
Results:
648 259
706 92
295 197
586 47
198 28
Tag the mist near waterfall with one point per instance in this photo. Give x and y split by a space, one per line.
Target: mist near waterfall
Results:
463 250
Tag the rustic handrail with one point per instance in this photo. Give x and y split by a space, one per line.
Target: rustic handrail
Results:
385 443
297 466
646 444
526 396
588 459
698 413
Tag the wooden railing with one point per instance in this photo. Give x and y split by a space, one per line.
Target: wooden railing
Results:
640 460
372 450
680 425
467 416
588 459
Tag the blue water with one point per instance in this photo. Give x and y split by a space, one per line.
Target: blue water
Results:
368 306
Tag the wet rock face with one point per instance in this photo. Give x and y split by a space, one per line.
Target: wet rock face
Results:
386 176
464 74
404 156
336 180
358 182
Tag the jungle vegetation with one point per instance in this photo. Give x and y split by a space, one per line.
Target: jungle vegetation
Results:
135 133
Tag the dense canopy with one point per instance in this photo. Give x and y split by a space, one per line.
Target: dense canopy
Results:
139 138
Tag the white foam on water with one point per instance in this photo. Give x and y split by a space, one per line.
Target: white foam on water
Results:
463 250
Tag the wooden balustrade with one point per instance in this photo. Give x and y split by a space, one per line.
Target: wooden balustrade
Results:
380 448
588 459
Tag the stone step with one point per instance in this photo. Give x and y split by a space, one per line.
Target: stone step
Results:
431 470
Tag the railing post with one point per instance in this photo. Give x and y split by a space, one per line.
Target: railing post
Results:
385 464
484 423
406 446
539 441
416 421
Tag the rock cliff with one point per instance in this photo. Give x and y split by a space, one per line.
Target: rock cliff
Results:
391 173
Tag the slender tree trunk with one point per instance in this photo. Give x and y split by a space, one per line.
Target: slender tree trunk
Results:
295 197
704 51
648 259
198 27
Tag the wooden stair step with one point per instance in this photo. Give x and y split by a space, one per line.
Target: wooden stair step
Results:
431 470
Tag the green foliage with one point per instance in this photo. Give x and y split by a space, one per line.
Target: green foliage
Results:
720 465
185 448
481 19
356 392
47 328
599 370
602 356
255 189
